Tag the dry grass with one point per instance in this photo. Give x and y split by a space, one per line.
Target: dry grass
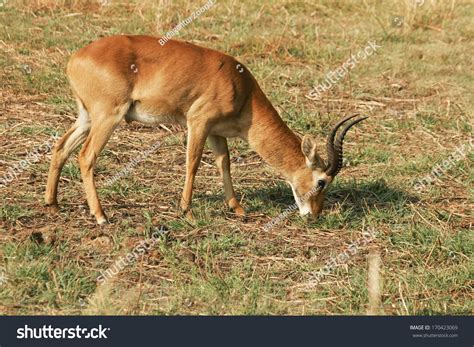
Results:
417 89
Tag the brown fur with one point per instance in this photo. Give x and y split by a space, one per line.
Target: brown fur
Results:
134 77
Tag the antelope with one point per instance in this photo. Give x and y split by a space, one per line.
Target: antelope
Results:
210 93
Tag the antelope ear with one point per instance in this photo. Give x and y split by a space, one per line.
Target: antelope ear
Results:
308 147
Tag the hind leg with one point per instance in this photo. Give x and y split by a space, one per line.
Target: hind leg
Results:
61 152
197 134
103 125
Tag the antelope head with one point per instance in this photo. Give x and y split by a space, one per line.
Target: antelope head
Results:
309 185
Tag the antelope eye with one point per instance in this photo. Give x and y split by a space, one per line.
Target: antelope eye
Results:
321 184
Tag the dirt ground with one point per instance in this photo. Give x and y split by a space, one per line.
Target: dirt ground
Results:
417 90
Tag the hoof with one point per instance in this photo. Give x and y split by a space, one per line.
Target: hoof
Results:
102 220
52 209
189 215
239 211
186 211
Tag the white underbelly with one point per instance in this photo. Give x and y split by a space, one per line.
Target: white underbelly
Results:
147 118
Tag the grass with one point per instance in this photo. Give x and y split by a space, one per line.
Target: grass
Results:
416 88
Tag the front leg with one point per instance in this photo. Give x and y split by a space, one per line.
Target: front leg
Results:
196 139
221 151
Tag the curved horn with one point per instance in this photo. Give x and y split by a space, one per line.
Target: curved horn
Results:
335 163
330 142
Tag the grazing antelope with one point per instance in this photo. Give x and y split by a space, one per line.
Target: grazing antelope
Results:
137 79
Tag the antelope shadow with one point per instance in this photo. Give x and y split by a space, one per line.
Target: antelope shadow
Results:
357 196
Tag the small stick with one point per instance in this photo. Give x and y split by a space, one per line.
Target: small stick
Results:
374 283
